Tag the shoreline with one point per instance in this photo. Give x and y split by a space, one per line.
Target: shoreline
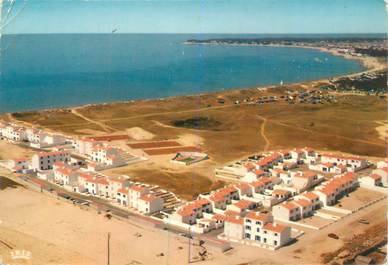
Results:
370 64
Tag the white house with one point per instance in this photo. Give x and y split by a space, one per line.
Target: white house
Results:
234 227
305 180
149 204
46 160
65 176
259 227
371 180
382 164
242 206
312 197
122 196
18 165
328 168
287 211
85 146
117 183
383 172
135 192
352 163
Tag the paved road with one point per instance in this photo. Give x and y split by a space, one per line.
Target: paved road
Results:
101 205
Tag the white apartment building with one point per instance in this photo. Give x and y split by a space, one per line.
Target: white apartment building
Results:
258 229
46 160
149 204
14 133
85 146
351 162
117 183
135 192
65 176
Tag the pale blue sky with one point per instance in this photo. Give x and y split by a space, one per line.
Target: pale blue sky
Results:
197 16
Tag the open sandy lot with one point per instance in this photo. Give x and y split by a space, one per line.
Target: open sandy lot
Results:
358 198
13 151
57 232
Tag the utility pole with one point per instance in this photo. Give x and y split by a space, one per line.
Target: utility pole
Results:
189 244
108 248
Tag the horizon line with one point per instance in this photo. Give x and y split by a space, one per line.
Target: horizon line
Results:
203 33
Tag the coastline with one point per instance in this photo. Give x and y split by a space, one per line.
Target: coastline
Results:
370 64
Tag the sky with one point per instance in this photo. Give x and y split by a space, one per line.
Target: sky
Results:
194 16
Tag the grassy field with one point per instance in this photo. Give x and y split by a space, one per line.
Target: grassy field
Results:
187 185
347 126
236 130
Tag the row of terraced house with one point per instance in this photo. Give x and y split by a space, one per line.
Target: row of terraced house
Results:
284 181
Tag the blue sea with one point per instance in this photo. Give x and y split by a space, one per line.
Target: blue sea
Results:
41 71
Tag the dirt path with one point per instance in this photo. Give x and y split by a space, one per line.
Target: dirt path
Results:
99 123
382 129
262 133
103 126
106 127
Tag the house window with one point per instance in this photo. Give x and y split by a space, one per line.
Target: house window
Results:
265 232
276 234
258 223
258 229
257 238
275 242
265 240
248 221
248 236
247 227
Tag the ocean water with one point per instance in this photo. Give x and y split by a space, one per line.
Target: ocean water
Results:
59 70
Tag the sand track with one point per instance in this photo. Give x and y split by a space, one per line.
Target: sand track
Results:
262 133
103 126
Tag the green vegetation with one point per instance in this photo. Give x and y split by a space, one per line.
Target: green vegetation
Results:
198 123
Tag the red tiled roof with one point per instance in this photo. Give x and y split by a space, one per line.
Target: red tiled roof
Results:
236 220
257 183
219 217
217 198
149 198
85 175
102 181
137 188
231 213
310 195
65 171
258 216
243 204
265 180
375 176
303 202
185 211
200 202
281 192
249 166
274 227
259 172
242 186
120 180
123 190
289 205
